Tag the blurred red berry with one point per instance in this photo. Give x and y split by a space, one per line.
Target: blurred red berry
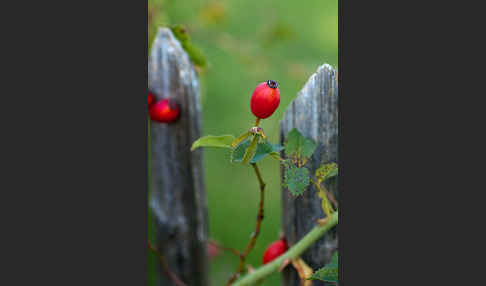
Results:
265 99
274 250
151 99
213 250
165 111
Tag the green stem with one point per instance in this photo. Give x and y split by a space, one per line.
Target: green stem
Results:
257 122
292 253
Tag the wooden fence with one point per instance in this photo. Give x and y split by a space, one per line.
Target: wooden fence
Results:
314 112
178 199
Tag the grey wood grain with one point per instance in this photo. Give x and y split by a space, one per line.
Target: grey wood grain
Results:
314 112
178 198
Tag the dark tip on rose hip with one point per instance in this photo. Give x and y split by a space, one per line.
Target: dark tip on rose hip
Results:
272 83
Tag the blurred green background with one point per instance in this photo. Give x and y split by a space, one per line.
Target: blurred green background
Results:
247 42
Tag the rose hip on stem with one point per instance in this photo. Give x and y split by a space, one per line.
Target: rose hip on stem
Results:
265 99
164 111
274 250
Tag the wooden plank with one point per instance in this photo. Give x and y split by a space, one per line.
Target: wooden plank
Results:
178 198
314 112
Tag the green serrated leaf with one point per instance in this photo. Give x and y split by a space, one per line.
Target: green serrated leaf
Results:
329 272
250 151
223 141
298 145
264 148
326 172
238 152
293 141
277 148
308 147
296 179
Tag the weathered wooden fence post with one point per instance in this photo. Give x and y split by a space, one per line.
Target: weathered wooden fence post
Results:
178 198
314 112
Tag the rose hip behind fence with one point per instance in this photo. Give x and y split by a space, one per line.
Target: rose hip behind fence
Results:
177 195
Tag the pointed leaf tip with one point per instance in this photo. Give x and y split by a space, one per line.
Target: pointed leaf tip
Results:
223 141
329 272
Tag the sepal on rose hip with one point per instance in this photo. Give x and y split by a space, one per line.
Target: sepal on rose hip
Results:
164 111
265 99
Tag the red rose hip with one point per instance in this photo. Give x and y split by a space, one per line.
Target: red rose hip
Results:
164 111
213 251
151 98
265 99
274 250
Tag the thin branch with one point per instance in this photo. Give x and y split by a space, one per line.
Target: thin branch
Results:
254 236
165 265
294 252
217 245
